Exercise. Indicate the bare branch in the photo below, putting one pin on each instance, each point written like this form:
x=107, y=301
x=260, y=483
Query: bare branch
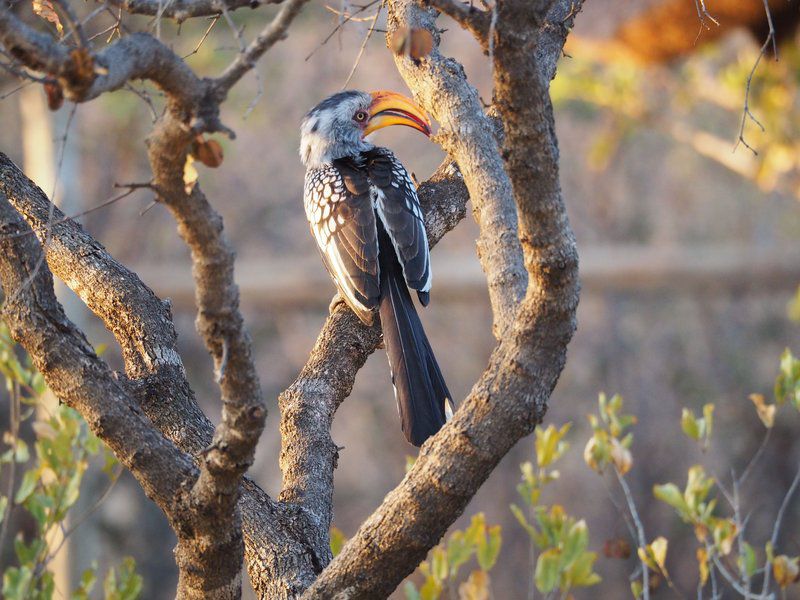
x=344, y=18
x=641, y=540
x=363, y=45
x=221, y=326
x=269, y=36
x=476, y=21
x=180, y=10
x=202, y=39
x=776, y=530
x=468, y=136
x=84, y=77
x=143, y=326
x=746, y=112
x=70, y=366
x=75, y=26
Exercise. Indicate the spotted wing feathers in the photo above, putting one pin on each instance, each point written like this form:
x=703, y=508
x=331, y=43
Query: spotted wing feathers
x=339, y=209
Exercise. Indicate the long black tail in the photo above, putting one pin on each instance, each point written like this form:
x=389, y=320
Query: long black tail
x=419, y=387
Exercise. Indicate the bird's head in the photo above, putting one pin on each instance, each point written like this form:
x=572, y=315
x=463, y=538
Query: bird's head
x=337, y=126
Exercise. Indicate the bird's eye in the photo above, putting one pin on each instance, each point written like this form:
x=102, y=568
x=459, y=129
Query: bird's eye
x=361, y=116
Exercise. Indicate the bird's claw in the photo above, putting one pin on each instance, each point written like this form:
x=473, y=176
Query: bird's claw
x=337, y=300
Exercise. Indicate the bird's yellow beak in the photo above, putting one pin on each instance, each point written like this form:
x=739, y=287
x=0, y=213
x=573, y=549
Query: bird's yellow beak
x=390, y=108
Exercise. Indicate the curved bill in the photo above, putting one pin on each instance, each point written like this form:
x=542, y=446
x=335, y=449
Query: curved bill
x=390, y=108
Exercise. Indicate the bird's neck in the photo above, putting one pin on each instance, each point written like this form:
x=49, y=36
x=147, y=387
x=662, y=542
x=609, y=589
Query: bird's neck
x=316, y=151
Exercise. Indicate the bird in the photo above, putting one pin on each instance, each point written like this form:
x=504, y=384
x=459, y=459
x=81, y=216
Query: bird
x=365, y=216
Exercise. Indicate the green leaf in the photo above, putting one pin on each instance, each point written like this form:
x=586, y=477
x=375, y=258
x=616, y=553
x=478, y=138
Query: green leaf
x=787, y=384
x=476, y=587
x=338, y=540
x=581, y=573
x=458, y=552
x=669, y=493
x=690, y=425
x=708, y=416
x=489, y=548
x=28, y=485
x=439, y=568
x=27, y=553
x=16, y=581
x=547, y=571
x=125, y=586
x=476, y=530
x=747, y=560
x=72, y=490
x=522, y=520
x=430, y=590
x=577, y=539
x=88, y=579
x=549, y=444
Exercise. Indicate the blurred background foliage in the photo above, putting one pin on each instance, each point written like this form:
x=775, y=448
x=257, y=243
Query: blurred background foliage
x=690, y=264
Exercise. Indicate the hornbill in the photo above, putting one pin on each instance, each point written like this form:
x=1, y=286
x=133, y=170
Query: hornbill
x=365, y=215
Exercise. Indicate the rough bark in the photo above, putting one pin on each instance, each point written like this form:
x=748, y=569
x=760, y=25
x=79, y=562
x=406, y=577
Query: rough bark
x=467, y=134
x=180, y=10
x=72, y=369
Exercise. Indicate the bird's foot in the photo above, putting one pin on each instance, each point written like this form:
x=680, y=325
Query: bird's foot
x=337, y=300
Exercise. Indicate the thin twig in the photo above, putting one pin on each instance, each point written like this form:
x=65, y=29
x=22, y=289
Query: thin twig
x=364, y=45
x=749, y=468
x=777, y=528
x=736, y=585
x=203, y=39
x=145, y=98
x=639, y=531
x=620, y=510
x=269, y=36
x=132, y=187
x=89, y=512
x=703, y=14
x=75, y=25
x=15, y=90
x=344, y=20
x=347, y=15
x=51, y=209
x=746, y=112
x=740, y=541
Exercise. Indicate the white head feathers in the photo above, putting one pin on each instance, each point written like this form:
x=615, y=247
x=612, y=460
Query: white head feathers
x=329, y=131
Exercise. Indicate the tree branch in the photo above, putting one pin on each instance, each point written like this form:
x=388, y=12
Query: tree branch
x=474, y=20
x=221, y=326
x=181, y=10
x=85, y=76
x=468, y=136
x=72, y=369
x=276, y=547
x=274, y=32
x=142, y=324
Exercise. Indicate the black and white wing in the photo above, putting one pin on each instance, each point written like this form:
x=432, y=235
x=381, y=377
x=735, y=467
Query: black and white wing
x=339, y=209
x=397, y=205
